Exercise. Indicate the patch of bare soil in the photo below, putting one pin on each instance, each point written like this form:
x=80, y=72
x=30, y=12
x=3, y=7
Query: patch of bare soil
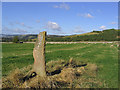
x=60, y=74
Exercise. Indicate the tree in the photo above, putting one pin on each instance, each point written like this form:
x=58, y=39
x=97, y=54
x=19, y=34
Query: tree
x=15, y=39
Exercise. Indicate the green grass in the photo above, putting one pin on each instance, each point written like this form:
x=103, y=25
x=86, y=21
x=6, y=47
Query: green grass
x=103, y=55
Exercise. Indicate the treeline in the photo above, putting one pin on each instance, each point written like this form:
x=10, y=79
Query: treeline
x=105, y=35
x=4, y=39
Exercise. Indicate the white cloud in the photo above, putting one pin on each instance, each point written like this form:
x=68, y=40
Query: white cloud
x=99, y=11
x=63, y=5
x=23, y=24
x=86, y=15
x=113, y=22
x=52, y=26
x=14, y=30
x=102, y=27
x=18, y=30
x=37, y=21
x=78, y=30
x=79, y=14
x=11, y=23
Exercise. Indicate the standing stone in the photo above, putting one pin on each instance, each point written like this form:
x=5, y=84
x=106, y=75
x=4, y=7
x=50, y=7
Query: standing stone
x=39, y=55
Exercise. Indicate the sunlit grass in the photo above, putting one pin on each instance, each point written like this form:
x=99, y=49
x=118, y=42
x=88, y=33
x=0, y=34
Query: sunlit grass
x=103, y=55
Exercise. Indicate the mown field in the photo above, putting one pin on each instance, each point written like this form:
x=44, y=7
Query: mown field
x=105, y=56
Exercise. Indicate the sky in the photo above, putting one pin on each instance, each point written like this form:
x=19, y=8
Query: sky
x=58, y=18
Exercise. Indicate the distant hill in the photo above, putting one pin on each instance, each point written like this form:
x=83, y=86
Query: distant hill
x=105, y=35
x=90, y=33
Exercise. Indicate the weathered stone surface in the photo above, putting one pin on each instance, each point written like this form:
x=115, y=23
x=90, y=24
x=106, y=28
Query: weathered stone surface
x=39, y=55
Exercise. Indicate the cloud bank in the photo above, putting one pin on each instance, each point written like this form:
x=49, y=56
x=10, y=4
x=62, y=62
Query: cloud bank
x=86, y=15
x=52, y=26
x=13, y=31
x=102, y=27
x=113, y=22
x=78, y=29
x=63, y=5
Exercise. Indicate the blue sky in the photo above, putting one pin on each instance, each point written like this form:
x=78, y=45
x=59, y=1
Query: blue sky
x=57, y=17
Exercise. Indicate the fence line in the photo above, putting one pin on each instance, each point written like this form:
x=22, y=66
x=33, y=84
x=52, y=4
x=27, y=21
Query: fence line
x=71, y=42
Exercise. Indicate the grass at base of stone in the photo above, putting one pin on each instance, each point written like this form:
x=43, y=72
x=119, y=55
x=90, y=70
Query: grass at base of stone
x=104, y=56
x=73, y=74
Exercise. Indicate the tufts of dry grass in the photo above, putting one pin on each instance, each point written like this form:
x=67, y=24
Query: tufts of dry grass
x=60, y=74
x=13, y=80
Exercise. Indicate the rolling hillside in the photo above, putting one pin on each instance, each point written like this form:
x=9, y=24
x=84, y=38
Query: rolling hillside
x=105, y=35
x=90, y=33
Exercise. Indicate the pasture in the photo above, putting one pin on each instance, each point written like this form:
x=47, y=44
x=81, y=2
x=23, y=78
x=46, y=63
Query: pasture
x=105, y=56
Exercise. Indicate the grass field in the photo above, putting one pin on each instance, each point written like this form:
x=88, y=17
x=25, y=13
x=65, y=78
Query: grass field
x=105, y=56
